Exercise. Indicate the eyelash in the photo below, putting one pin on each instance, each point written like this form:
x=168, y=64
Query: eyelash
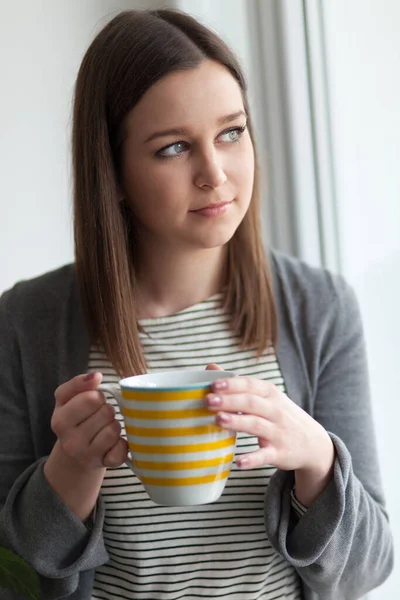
x=240, y=131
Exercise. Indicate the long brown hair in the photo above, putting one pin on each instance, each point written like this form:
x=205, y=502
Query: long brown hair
x=133, y=51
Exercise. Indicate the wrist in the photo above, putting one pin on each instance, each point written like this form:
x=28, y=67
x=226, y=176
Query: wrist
x=77, y=486
x=310, y=481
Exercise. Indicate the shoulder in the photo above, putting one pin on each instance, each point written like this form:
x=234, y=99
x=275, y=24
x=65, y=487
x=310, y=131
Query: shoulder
x=319, y=324
x=296, y=279
x=313, y=300
x=35, y=297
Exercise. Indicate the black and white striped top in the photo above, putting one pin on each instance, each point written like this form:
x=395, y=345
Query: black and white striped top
x=218, y=550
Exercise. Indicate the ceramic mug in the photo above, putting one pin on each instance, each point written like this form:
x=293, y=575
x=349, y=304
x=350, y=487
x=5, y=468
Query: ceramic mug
x=178, y=452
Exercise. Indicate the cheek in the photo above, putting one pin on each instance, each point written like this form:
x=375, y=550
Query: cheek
x=242, y=172
x=151, y=186
x=249, y=169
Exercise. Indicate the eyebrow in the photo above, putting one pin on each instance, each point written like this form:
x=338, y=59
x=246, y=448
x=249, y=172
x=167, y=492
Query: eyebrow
x=180, y=131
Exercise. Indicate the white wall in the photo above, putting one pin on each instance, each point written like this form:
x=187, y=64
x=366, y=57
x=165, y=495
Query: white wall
x=363, y=45
x=228, y=17
x=41, y=45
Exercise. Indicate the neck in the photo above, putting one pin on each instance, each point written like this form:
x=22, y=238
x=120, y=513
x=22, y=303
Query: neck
x=169, y=281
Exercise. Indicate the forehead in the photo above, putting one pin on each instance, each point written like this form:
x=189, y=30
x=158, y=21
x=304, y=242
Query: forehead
x=187, y=98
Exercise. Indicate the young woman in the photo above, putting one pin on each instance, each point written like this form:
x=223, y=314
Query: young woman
x=170, y=272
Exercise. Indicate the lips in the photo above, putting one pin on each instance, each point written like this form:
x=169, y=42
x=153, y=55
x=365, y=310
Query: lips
x=212, y=205
x=212, y=210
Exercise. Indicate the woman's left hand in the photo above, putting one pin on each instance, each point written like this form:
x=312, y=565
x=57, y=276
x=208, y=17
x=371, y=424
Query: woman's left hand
x=288, y=437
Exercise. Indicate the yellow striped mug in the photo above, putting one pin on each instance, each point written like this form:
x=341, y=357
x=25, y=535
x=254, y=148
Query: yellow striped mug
x=178, y=452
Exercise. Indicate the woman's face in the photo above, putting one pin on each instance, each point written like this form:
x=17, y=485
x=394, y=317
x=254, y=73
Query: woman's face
x=187, y=165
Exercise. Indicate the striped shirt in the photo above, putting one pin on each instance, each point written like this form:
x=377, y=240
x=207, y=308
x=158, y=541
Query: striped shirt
x=217, y=550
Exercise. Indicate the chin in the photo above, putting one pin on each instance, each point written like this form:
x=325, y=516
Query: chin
x=216, y=233
x=213, y=240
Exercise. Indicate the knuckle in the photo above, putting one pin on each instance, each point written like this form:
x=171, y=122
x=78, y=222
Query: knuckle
x=273, y=455
x=93, y=401
x=278, y=413
x=111, y=433
x=116, y=455
x=120, y=447
x=57, y=423
x=57, y=392
x=117, y=427
x=261, y=458
x=247, y=381
x=271, y=388
x=250, y=403
x=108, y=410
x=72, y=446
x=264, y=388
x=106, y=415
x=258, y=428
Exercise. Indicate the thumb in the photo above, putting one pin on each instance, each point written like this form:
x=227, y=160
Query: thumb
x=73, y=387
x=213, y=367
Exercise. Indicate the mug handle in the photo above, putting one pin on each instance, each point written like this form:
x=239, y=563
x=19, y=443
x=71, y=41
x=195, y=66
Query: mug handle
x=115, y=391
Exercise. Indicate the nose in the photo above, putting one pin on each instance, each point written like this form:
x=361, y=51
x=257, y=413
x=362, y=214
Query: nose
x=209, y=171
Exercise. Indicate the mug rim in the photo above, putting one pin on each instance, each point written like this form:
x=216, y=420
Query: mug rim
x=126, y=382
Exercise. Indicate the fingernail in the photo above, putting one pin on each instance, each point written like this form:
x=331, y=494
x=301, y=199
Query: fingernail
x=89, y=376
x=220, y=385
x=214, y=400
x=242, y=462
x=223, y=418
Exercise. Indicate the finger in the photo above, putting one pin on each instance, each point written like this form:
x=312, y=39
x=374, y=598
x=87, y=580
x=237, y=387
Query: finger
x=213, y=367
x=105, y=440
x=92, y=426
x=260, y=458
x=117, y=455
x=77, y=385
x=77, y=441
x=242, y=403
x=253, y=425
x=250, y=385
x=77, y=410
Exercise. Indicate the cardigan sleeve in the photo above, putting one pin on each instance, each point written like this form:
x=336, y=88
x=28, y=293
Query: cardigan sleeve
x=342, y=546
x=34, y=522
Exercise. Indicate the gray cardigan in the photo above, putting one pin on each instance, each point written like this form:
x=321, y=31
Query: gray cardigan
x=342, y=546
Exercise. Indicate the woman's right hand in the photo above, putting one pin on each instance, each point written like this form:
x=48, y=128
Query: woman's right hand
x=85, y=424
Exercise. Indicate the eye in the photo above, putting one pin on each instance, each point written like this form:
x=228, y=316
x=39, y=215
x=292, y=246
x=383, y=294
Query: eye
x=232, y=135
x=175, y=149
